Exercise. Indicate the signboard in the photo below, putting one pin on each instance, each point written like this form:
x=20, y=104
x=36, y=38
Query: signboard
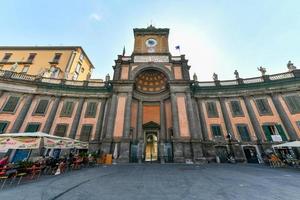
x=151, y=59
x=276, y=138
x=19, y=143
x=58, y=143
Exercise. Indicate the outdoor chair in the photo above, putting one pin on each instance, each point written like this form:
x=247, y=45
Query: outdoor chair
x=3, y=180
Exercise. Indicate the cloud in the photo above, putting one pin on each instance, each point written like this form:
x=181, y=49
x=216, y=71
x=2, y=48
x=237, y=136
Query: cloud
x=96, y=17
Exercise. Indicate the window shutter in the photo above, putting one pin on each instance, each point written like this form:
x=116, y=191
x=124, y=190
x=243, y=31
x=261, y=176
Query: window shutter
x=11, y=104
x=267, y=133
x=3, y=126
x=42, y=106
x=244, y=133
x=32, y=128
x=281, y=132
x=85, y=132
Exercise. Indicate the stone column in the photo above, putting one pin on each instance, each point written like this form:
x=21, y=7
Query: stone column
x=194, y=129
x=140, y=132
x=176, y=133
x=51, y=115
x=111, y=117
x=161, y=147
x=140, y=121
x=20, y=118
x=127, y=118
x=105, y=143
x=76, y=119
x=202, y=120
x=125, y=143
x=1, y=92
x=100, y=120
x=197, y=119
x=162, y=121
x=226, y=118
x=105, y=118
x=253, y=119
x=284, y=118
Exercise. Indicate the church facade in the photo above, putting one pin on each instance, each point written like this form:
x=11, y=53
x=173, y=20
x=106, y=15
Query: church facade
x=152, y=110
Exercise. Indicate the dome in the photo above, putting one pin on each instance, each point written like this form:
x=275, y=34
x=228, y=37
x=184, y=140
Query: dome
x=152, y=81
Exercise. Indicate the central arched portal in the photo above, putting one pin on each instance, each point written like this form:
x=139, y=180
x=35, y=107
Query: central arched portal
x=151, y=115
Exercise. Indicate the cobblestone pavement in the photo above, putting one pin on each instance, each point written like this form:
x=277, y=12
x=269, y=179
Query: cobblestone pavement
x=169, y=181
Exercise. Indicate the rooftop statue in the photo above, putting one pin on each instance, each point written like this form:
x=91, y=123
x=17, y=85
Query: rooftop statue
x=237, y=75
x=215, y=77
x=262, y=70
x=291, y=66
x=195, y=77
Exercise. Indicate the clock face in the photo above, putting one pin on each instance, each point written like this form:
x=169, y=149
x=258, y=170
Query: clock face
x=151, y=42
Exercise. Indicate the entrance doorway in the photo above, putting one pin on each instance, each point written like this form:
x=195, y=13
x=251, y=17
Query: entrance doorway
x=222, y=153
x=251, y=154
x=151, y=150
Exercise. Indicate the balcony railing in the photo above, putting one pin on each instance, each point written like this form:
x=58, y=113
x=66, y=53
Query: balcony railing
x=99, y=83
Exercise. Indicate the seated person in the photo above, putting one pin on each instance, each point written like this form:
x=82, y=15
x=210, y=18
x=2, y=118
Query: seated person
x=4, y=161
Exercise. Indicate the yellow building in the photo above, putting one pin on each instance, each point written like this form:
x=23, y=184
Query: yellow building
x=61, y=62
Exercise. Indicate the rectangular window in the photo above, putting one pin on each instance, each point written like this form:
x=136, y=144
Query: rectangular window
x=236, y=109
x=54, y=72
x=244, y=133
x=263, y=107
x=56, y=57
x=86, y=132
x=81, y=57
x=41, y=107
x=293, y=103
x=91, y=109
x=61, y=130
x=216, y=130
x=3, y=126
x=212, y=109
x=32, y=127
x=6, y=57
x=25, y=69
x=273, y=130
x=31, y=57
x=75, y=76
x=78, y=67
x=67, y=109
x=11, y=104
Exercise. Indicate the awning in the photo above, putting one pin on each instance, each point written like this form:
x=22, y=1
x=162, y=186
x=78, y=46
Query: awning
x=35, y=140
x=288, y=144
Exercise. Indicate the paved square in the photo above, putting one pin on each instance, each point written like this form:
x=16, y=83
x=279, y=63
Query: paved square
x=170, y=181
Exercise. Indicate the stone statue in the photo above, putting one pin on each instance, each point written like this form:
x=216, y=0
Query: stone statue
x=195, y=77
x=107, y=78
x=262, y=70
x=291, y=66
x=237, y=75
x=215, y=77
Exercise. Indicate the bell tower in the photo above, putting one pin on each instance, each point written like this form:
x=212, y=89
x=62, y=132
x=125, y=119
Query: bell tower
x=151, y=40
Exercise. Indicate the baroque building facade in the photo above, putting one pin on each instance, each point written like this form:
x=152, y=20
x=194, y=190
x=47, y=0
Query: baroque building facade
x=67, y=62
x=151, y=110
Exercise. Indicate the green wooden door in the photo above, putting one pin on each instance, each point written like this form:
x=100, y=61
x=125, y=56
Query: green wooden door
x=267, y=132
x=281, y=132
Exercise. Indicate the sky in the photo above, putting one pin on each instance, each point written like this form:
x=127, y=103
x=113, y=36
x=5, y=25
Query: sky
x=215, y=35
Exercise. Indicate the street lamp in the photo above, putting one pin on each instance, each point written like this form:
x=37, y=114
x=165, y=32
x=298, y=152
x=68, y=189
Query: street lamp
x=231, y=152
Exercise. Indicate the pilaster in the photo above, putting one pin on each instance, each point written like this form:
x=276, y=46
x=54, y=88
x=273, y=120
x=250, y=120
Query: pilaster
x=51, y=116
x=76, y=119
x=284, y=117
x=20, y=118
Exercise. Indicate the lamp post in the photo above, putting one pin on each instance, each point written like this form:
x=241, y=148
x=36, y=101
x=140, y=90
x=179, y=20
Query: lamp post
x=231, y=152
